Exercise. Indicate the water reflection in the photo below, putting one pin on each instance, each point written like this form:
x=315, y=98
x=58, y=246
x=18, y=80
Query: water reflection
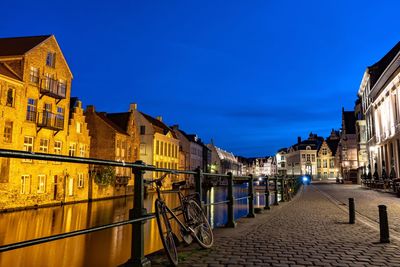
x=104, y=248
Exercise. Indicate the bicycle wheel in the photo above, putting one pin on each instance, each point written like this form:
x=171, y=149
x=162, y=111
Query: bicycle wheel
x=202, y=231
x=165, y=230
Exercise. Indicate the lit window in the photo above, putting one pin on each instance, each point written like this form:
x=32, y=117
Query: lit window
x=313, y=158
x=80, y=180
x=79, y=127
x=25, y=184
x=44, y=145
x=57, y=147
x=34, y=75
x=8, y=127
x=332, y=163
x=123, y=146
x=60, y=118
x=72, y=149
x=325, y=163
x=117, y=150
x=28, y=146
x=31, y=110
x=162, y=148
x=51, y=59
x=169, y=150
x=41, y=183
x=62, y=88
x=142, y=149
x=157, y=147
x=82, y=151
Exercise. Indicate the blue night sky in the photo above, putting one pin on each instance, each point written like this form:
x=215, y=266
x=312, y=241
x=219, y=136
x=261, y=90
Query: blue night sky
x=252, y=75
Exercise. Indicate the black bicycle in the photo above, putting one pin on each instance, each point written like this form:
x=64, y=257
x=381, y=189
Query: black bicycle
x=193, y=226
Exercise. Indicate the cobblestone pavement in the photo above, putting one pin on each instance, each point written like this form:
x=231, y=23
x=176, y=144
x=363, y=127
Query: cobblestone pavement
x=366, y=201
x=310, y=230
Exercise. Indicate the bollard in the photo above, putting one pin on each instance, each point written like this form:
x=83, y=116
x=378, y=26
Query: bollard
x=251, y=198
x=276, y=191
x=267, y=207
x=231, y=218
x=198, y=177
x=138, y=211
x=352, y=212
x=383, y=224
x=282, y=190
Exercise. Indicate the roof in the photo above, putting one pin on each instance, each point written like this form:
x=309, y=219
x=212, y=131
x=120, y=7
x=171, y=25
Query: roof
x=120, y=119
x=17, y=46
x=375, y=71
x=332, y=144
x=160, y=127
x=4, y=70
x=105, y=118
x=349, y=122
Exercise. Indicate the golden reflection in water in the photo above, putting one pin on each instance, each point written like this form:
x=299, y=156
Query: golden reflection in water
x=212, y=207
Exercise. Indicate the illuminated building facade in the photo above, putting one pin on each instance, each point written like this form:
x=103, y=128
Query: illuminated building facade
x=361, y=134
x=327, y=165
x=38, y=116
x=159, y=145
x=379, y=92
x=281, y=161
x=223, y=161
x=114, y=137
x=301, y=158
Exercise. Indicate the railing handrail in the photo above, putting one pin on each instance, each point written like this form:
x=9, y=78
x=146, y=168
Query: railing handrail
x=139, y=214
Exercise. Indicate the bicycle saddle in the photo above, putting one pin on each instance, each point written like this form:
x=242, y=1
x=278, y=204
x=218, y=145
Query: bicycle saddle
x=178, y=184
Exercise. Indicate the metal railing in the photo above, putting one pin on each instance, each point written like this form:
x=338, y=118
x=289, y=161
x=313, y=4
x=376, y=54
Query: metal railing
x=138, y=214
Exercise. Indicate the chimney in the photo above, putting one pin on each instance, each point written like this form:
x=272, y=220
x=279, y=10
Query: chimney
x=175, y=127
x=159, y=118
x=90, y=109
x=132, y=107
x=299, y=139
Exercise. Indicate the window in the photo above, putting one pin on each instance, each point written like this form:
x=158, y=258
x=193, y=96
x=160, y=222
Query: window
x=10, y=97
x=157, y=147
x=34, y=75
x=51, y=59
x=41, y=183
x=72, y=149
x=129, y=152
x=142, y=149
x=303, y=156
x=162, y=148
x=308, y=157
x=332, y=163
x=283, y=164
x=325, y=175
x=331, y=174
x=82, y=151
x=31, y=110
x=57, y=147
x=79, y=127
x=62, y=88
x=324, y=151
x=44, y=146
x=282, y=158
x=60, y=118
x=28, y=146
x=80, y=180
x=325, y=163
x=123, y=146
x=169, y=150
x=142, y=129
x=318, y=163
x=117, y=149
x=25, y=184
x=165, y=149
x=8, y=127
x=313, y=158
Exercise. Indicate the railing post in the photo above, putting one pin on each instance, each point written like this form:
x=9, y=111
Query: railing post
x=231, y=217
x=267, y=207
x=198, y=180
x=282, y=190
x=138, y=211
x=251, y=198
x=276, y=191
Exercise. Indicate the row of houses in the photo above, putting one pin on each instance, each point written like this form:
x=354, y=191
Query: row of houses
x=38, y=114
x=368, y=144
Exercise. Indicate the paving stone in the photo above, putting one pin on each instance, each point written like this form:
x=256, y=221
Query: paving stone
x=310, y=230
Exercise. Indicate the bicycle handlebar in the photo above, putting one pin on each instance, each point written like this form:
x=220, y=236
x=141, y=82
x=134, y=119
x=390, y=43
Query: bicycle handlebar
x=159, y=179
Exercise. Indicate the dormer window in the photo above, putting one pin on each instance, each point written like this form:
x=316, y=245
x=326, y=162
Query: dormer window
x=51, y=59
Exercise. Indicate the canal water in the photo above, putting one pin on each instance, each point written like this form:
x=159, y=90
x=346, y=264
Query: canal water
x=109, y=247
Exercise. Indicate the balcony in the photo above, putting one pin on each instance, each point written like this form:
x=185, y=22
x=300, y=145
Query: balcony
x=50, y=121
x=53, y=88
